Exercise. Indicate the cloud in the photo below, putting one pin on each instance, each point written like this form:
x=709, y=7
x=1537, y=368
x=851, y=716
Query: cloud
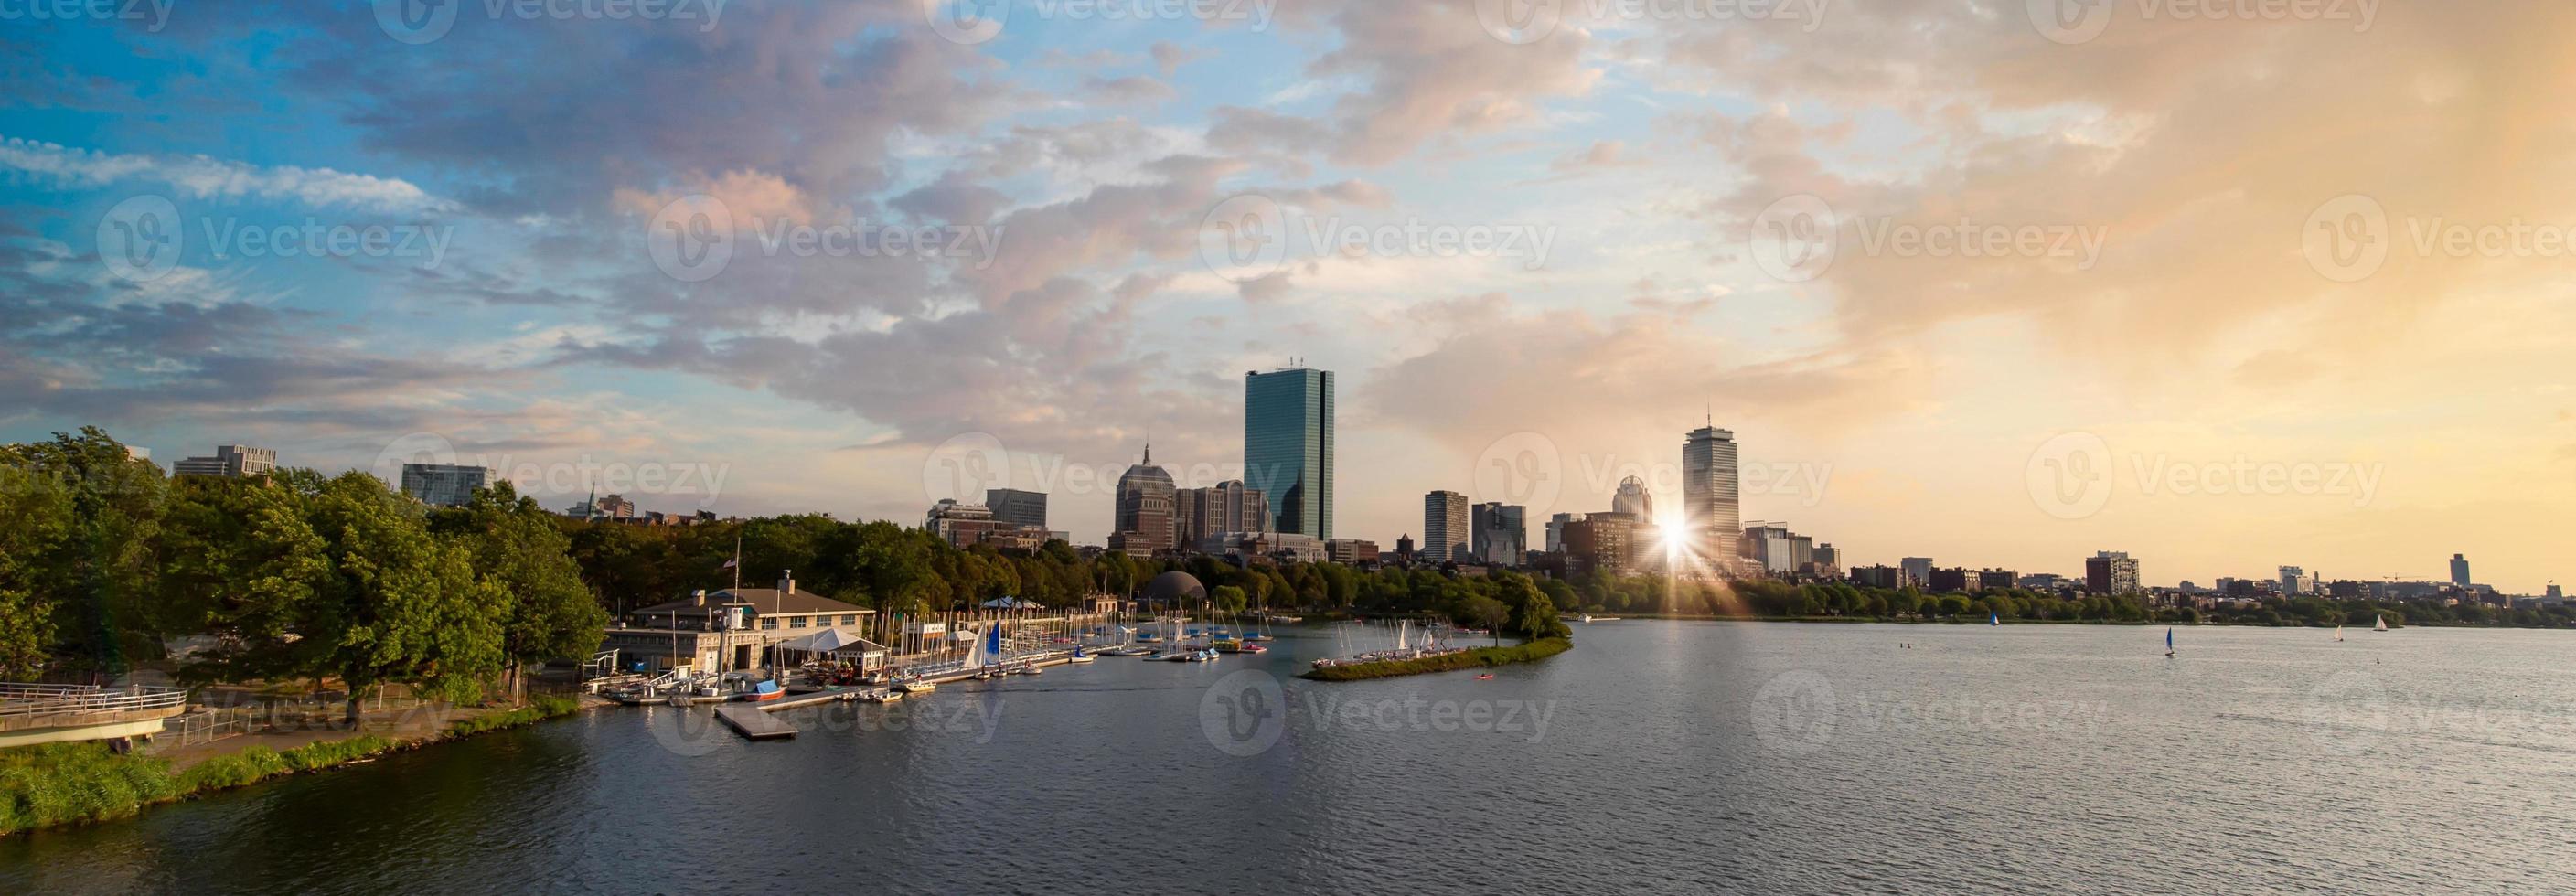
x=200, y=177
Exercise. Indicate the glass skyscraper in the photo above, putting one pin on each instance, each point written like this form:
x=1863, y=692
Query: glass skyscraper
x=1288, y=447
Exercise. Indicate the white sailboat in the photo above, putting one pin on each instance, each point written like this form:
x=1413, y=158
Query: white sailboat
x=2338, y=631
x=2381, y=625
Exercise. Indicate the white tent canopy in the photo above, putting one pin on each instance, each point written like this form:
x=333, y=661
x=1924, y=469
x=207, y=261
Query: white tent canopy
x=824, y=641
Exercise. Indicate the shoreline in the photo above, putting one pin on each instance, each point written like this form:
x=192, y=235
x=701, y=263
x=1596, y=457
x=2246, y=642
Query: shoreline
x=48, y=786
x=1473, y=658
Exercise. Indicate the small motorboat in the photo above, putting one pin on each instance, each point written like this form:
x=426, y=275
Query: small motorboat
x=1485, y=677
x=764, y=692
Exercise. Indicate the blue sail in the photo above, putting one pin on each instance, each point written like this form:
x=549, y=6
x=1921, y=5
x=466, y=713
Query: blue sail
x=1993, y=619
x=2168, y=639
x=993, y=644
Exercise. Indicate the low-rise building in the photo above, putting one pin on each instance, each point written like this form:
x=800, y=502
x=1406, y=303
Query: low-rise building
x=729, y=629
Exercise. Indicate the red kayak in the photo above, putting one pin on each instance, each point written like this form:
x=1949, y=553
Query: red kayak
x=1485, y=676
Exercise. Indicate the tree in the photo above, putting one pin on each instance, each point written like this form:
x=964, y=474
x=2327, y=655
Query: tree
x=1229, y=599
x=35, y=522
x=1487, y=612
x=100, y=577
x=401, y=606
x=546, y=611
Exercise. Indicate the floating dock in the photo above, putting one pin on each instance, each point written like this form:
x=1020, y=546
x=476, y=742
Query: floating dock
x=753, y=723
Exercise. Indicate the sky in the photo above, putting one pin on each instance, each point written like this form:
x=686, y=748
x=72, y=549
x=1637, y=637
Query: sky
x=2226, y=285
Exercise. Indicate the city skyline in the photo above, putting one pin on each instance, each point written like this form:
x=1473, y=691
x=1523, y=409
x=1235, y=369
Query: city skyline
x=525, y=303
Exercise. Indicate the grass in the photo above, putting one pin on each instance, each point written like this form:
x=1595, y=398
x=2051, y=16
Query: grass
x=1451, y=662
x=58, y=784
x=537, y=710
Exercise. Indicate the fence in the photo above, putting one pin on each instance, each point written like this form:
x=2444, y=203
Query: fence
x=51, y=699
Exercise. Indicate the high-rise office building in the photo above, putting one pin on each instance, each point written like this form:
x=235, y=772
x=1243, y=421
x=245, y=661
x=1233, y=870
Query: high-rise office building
x=1444, y=528
x=1502, y=533
x=1288, y=447
x=1829, y=560
x=1017, y=507
x=1228, y=506
x=1556, y=531
x=1713, y=516
x=2111, y=572
x=1144, y=523
x=2460, y=570
x=444, y=485
x=1601, y=541
x=2295, y=581
x=234, y=461
x=1917, y=570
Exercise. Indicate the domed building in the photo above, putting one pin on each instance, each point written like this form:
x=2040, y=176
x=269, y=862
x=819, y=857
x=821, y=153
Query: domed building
x=1144, y=523
x=1173, y=589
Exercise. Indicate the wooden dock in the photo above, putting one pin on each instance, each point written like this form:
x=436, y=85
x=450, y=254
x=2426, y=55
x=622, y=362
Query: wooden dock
x=752, y=722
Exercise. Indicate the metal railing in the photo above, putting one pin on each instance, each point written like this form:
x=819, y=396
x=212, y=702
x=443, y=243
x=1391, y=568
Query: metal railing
x=51, y=699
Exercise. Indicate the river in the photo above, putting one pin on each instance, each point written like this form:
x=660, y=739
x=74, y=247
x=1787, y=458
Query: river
x=1656, y=756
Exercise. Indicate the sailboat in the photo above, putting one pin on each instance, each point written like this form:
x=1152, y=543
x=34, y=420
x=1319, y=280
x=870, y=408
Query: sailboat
x=2338, y=631
x=1992, y=618
x=2168, y=642
x=2381, y=625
